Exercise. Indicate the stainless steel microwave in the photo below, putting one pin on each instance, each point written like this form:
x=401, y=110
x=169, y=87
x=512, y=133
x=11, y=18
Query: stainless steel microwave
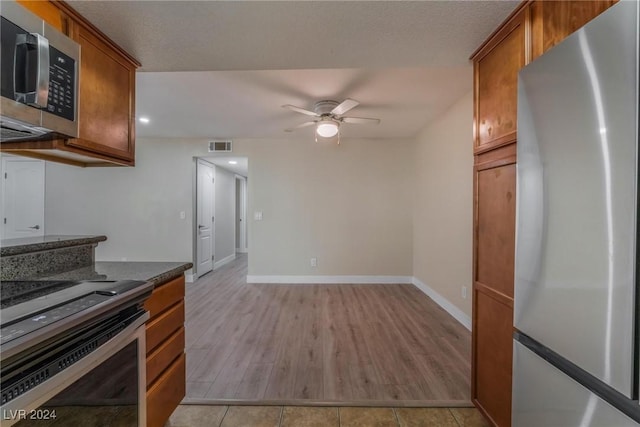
x=39, y=73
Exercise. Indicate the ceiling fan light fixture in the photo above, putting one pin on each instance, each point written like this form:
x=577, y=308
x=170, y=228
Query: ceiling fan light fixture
x=327, y=128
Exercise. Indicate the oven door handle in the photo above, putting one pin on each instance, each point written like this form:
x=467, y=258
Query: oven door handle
x=31, y=88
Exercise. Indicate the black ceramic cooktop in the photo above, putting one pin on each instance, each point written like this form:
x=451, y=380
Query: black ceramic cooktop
x=19, y=291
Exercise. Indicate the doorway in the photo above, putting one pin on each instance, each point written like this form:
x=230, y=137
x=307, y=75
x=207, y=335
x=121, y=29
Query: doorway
x=220, y=199
x=22, y=197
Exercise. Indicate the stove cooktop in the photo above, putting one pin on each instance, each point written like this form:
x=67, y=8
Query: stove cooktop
x=16, y=292
x=43, y=307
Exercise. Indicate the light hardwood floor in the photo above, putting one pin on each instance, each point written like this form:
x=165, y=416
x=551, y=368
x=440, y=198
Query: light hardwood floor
x=323, y=343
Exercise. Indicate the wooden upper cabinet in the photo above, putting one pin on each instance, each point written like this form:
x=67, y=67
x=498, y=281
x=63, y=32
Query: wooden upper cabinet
x=553, y=21
x=106, y=102
x=496, y=67
x=48, y=11
x=106, y=96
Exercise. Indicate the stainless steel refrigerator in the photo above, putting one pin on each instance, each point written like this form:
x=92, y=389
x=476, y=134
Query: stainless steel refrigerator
x=576, y=281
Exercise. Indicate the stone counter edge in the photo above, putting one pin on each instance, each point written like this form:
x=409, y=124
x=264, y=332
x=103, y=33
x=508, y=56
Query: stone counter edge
x=45, y=246
x=170, y=274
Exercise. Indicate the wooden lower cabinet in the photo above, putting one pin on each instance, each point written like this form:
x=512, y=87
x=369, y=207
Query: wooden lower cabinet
x=492, y=355
x=165, y=340
x=166, y=393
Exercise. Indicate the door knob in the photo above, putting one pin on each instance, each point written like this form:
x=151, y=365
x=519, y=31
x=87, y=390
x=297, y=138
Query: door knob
x=200, y=227
x=35, y=227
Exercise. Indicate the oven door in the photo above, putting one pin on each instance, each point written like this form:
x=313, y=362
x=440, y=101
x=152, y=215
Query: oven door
x=104, y=387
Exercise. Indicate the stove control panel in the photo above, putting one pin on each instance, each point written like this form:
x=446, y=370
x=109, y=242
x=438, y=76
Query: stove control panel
x=40, y=320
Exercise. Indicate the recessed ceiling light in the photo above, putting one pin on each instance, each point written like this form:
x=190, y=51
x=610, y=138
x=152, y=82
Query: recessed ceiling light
x=233, y=162
x=144, y=120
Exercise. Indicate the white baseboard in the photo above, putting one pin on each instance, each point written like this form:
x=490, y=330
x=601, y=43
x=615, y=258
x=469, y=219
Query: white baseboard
x=454, y=311
x=189, y=278
x=223, y=261
x=350, y=280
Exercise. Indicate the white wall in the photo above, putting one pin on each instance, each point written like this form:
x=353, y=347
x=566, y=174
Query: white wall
x=443, y=204
x=138, y=209
x=350, y=206
x=225, y=214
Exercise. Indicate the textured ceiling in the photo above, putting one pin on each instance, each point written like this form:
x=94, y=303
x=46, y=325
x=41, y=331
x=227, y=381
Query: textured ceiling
x=247, y=104
x=405, y=61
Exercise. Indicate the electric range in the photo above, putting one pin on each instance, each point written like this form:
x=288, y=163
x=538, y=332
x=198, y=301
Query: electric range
x=36, y=310
x=62, y=341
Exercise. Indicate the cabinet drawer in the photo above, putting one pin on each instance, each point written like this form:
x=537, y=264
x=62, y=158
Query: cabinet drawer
x=166, y=394
x=164, y=296
x=166, y=353
x=164, y=325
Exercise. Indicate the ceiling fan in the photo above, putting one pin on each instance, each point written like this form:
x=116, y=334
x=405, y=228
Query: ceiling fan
x=329, y=116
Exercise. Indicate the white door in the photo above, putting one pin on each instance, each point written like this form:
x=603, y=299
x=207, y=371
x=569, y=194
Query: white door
x=22, y=197
x=204, y=217
x=241, y=211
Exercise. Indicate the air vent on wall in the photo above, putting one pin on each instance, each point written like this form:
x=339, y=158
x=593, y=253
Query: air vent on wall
x=219, y=146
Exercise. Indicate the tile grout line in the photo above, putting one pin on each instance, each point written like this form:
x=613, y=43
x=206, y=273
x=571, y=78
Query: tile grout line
x=455, y=418
x=223, y=417
x=281, y=414
x=396, y=415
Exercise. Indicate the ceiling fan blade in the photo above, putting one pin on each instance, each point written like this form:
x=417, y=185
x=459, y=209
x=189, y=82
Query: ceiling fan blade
x=360, y=120
x=303, y=125
x=344, y=106
x=300, y=110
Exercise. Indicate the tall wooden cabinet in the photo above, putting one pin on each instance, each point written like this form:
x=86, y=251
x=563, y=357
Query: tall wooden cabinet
x=533, y=28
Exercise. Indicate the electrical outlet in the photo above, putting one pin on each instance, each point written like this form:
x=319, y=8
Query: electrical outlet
x=183, y=215
x=257, y=216
x=314, y=262
x=464, y=292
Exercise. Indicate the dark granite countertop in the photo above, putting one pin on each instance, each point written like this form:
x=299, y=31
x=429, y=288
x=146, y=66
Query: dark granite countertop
x=155, y=272
x=25, y=245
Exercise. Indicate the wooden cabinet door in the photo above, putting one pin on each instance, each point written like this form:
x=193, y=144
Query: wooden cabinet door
x=106, y=101
x=553, y=21
x=492, y=356
x=496, y=68
x=494, y=256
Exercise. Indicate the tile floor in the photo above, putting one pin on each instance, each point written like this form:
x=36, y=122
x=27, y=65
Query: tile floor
x=307, y=416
